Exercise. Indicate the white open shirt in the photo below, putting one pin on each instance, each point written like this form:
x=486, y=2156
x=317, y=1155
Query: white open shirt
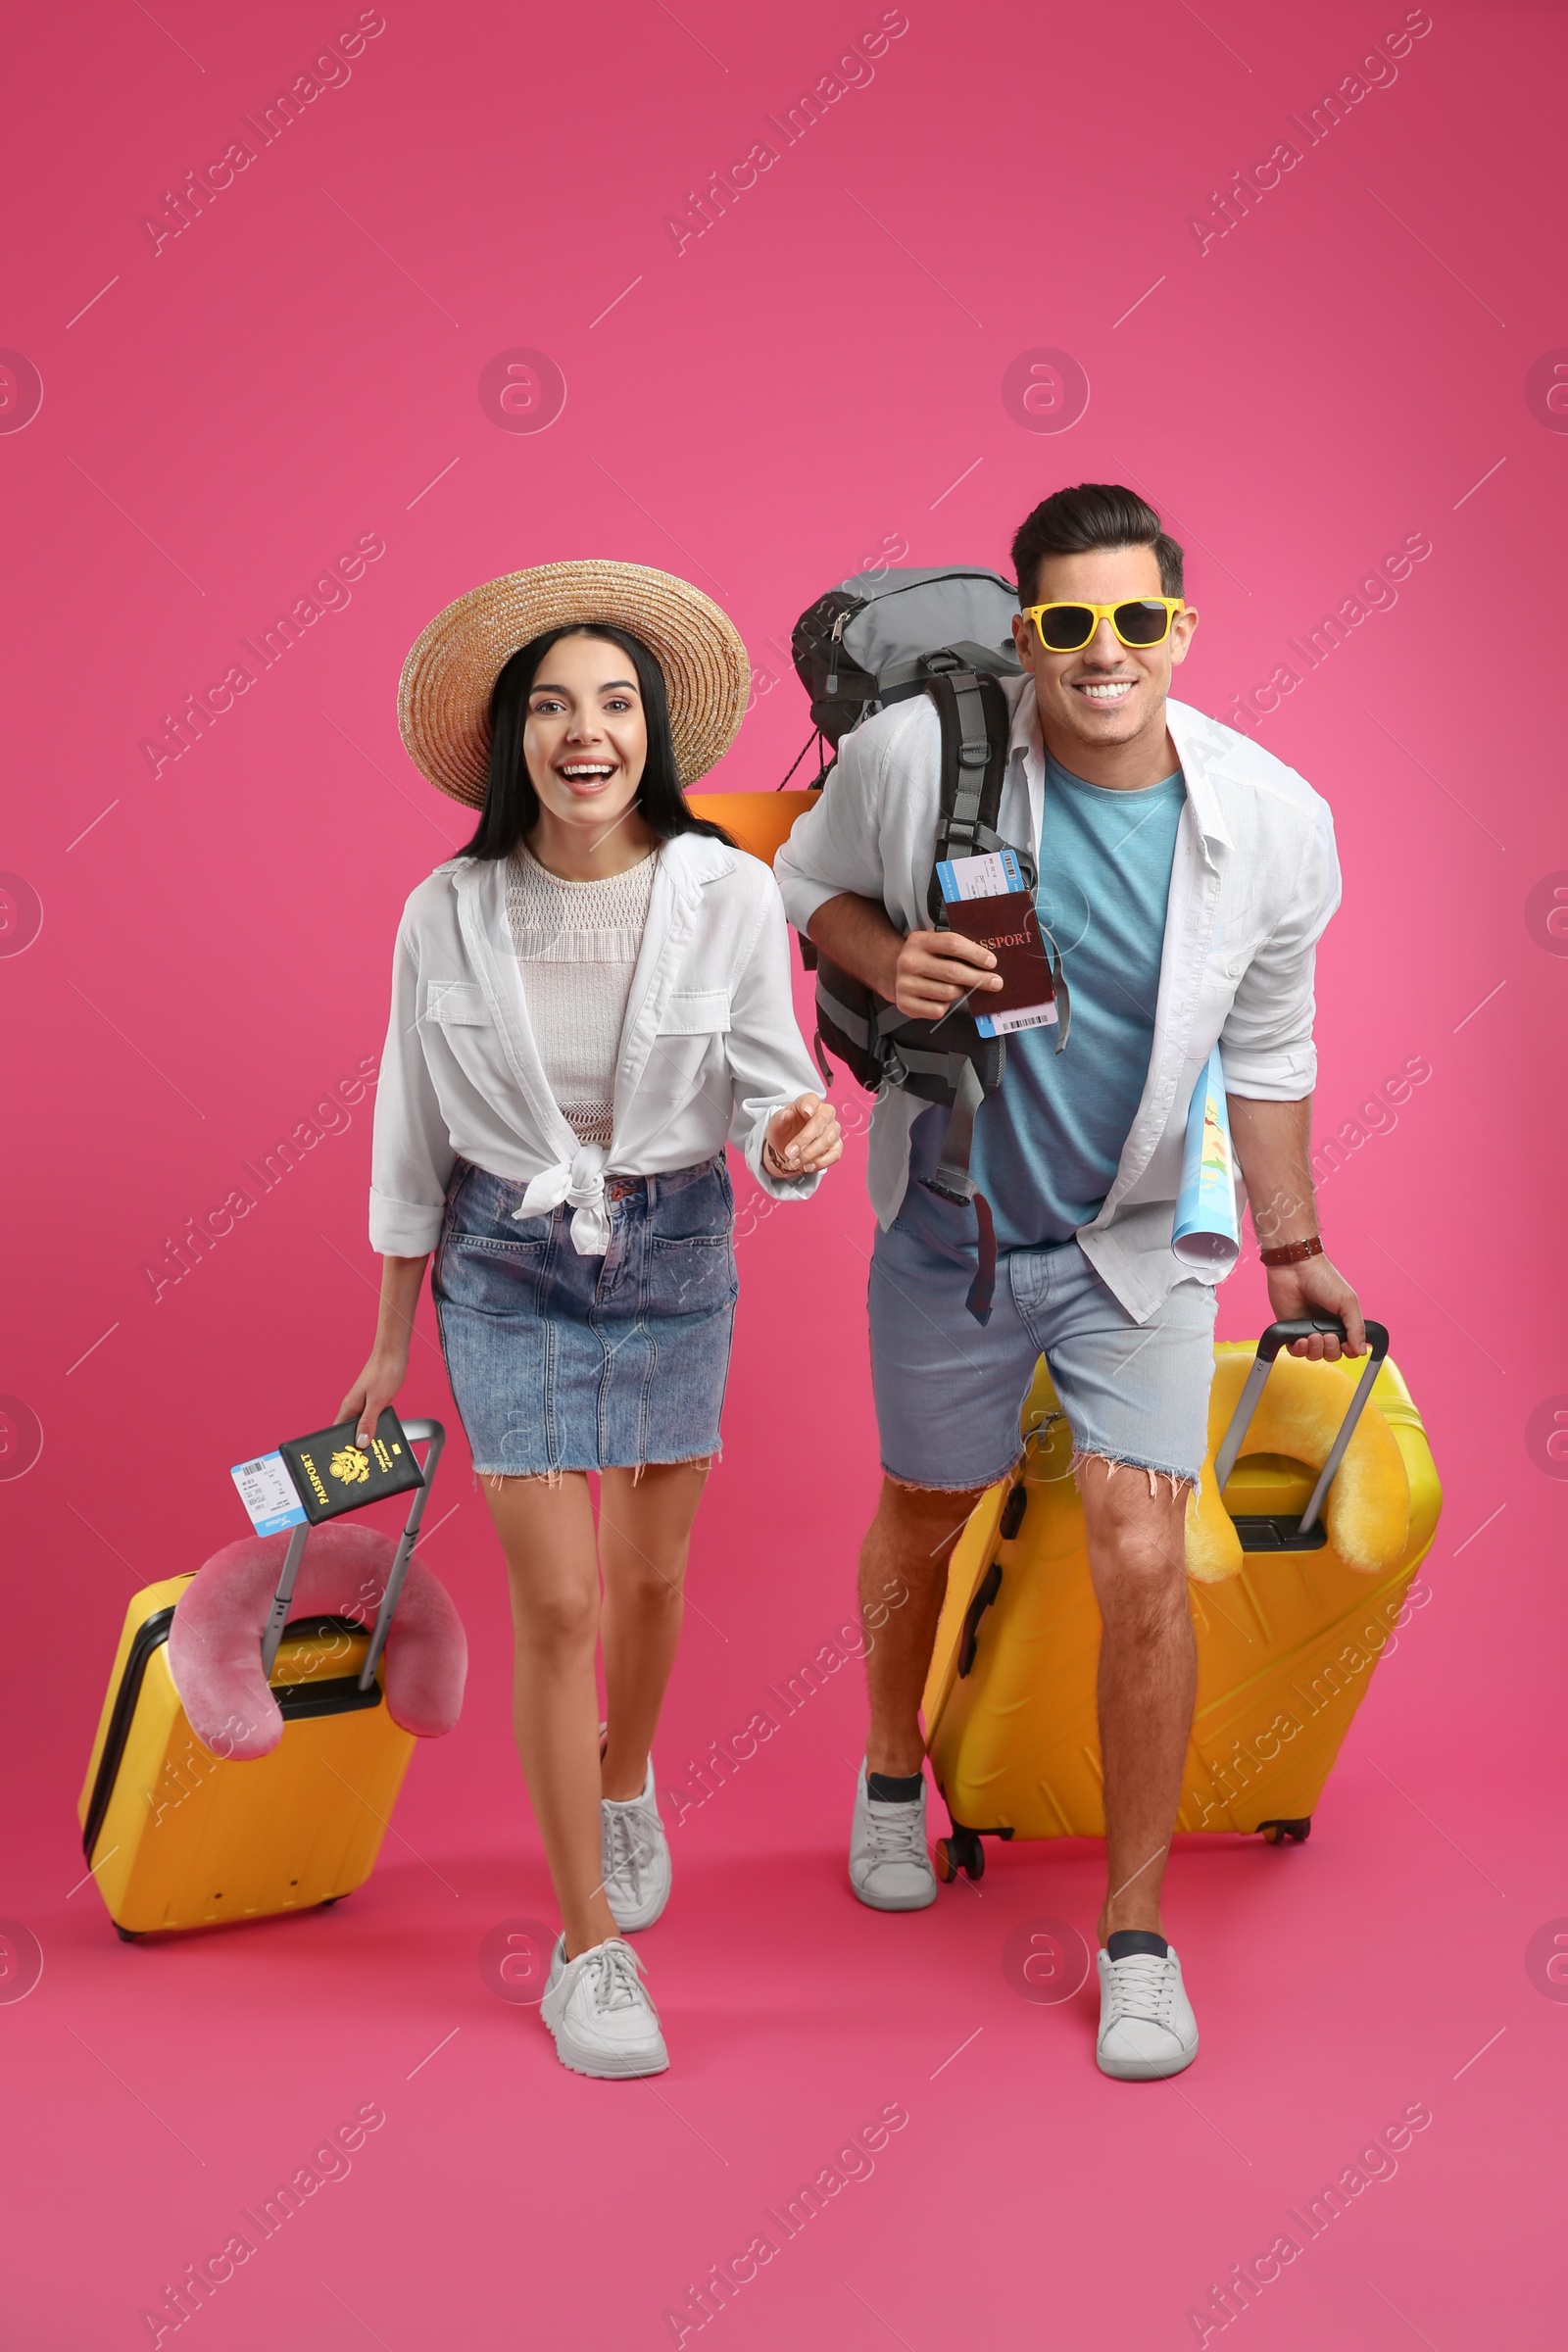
x=710, y=1048
x=1254, y=883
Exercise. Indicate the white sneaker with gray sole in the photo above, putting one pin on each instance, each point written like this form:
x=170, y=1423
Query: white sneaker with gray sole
x=1146, y=2026
x=600, y=2014
x=889, y=1865
x=634, y=1856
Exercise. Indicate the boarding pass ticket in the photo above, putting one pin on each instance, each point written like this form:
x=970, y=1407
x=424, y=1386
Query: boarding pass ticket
x=266, y=1490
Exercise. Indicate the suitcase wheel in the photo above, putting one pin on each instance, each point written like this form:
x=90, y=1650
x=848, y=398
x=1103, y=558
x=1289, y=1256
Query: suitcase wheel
x=127, y=1934
x=962, y=1851
x=1276, y=1832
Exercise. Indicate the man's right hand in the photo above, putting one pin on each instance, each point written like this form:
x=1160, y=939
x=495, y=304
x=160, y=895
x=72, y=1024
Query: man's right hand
x=933, y=970
x=923, y=973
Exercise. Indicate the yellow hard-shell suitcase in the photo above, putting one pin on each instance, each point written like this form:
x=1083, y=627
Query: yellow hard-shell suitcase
x=177, y=1837
x=1287, y=1639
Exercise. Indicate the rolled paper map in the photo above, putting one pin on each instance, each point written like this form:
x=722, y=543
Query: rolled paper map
x=1206, y=1232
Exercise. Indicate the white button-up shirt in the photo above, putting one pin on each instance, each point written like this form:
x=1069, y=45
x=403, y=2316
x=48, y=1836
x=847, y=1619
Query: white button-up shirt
x=709, y=1052
x=1254, y=883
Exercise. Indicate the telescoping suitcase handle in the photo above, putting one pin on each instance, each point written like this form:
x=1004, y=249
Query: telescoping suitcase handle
x=419, y=1432
x=1278, y=1336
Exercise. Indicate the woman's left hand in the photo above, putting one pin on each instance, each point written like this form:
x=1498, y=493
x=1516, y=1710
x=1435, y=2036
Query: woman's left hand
x=803, y=1138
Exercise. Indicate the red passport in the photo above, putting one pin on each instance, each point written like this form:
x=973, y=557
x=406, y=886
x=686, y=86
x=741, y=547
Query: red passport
x=1009, y=927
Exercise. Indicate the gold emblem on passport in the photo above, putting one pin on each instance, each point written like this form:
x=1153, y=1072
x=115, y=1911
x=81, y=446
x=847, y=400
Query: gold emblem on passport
x=331, y=1472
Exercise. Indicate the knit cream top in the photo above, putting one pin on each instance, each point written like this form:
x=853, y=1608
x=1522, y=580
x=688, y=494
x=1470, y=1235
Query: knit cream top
x=577, y=945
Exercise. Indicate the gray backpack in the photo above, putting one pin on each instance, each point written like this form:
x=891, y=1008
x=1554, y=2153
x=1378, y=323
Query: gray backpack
x=879, y=637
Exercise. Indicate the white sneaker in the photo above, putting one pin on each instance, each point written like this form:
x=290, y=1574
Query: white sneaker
x=889, y=1865
x=602, y=2019
x=634, y=1857
x=1146, y=2026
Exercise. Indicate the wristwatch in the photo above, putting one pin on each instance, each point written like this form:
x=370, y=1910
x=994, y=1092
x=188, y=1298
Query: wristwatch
x=1290, y=1253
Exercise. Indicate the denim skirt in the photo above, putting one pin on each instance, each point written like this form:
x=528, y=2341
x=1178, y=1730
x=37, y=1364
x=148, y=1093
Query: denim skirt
x=560, y=1362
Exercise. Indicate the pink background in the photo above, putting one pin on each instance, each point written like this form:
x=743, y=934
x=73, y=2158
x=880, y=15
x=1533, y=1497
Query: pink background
x=812, y=384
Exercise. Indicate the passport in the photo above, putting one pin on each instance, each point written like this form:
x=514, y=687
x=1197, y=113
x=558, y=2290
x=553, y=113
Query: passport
x=987, y=901
x=332, y=1473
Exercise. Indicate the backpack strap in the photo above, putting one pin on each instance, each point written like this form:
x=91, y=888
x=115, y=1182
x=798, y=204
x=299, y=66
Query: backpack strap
x=955, y=1182
x=976, y=725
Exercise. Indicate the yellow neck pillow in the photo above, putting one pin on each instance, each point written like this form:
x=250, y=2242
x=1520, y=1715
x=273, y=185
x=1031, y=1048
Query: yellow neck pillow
x=1367, y=1509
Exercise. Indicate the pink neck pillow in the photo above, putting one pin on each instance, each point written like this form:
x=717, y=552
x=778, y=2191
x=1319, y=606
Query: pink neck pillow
x=215, y=1643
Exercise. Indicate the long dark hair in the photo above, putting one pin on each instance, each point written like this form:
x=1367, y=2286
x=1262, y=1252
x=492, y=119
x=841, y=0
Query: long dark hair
x=511, y=804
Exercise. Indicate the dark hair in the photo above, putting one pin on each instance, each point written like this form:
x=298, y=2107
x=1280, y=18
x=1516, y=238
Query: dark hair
x=1070, y=522
x=511, y=804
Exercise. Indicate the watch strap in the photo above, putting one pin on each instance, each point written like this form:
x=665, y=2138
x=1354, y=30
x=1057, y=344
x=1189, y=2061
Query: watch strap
x=1290, y=1253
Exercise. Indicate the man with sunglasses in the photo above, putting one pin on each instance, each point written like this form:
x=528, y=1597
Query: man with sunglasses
x=1187, y=876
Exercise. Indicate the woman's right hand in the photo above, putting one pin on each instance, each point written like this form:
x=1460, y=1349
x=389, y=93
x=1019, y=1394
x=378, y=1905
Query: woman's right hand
x=401, y=1281
x=373, y=1391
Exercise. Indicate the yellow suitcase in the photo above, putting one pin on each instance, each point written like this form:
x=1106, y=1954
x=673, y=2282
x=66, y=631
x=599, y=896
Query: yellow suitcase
x=1290, y=1625
x=178, y=1837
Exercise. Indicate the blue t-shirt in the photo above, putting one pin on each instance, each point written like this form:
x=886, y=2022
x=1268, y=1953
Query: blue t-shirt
x=1047, y=1142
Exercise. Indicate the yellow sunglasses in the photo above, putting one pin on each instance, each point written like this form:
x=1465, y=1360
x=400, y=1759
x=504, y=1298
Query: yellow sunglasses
x=1140, y=620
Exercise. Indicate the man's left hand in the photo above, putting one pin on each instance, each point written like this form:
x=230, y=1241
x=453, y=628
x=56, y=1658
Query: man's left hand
x=1316, y=1287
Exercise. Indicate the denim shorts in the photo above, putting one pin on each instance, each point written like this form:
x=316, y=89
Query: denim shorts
x=560, y=1362
x=949, y=1391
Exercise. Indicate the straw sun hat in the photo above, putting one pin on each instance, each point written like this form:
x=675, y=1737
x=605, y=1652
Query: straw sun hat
x=444, y=691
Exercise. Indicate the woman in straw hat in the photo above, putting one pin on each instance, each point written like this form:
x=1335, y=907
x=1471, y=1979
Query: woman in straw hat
x=587, y=1003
